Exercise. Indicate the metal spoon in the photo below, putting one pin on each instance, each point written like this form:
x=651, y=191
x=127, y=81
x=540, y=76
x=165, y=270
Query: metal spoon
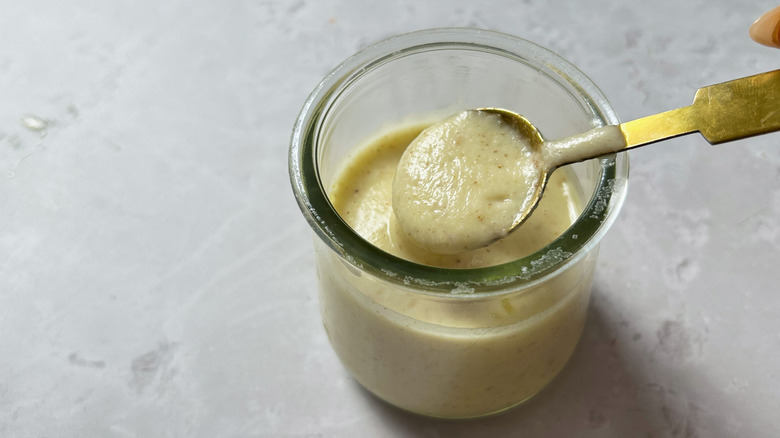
x=724, y=112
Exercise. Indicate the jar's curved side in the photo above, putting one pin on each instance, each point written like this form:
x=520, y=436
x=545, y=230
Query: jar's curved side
x=436, y=369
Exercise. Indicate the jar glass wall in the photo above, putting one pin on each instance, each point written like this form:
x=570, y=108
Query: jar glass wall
x=453, y=343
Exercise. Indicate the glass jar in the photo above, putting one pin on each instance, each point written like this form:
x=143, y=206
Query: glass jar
x=454, y=343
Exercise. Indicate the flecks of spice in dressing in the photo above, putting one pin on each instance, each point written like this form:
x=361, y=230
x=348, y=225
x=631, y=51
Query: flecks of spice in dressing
x=462, y=180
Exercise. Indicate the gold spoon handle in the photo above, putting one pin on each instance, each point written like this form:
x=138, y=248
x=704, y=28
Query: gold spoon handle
x=729, y=111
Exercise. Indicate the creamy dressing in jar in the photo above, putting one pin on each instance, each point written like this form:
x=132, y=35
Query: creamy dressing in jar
x=462, y=360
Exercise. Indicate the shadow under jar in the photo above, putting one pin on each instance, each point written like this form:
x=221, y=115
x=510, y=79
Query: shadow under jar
x=446, y=342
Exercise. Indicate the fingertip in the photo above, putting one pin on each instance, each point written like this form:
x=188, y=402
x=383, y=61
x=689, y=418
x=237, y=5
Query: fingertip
x=766, y=30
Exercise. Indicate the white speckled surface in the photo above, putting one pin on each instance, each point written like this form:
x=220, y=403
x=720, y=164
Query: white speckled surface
x=156, y=276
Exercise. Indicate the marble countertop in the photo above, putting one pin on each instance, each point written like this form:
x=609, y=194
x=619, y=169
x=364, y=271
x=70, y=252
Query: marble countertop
x=157, y=278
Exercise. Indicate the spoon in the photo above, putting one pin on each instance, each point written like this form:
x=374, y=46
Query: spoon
x=724, y=112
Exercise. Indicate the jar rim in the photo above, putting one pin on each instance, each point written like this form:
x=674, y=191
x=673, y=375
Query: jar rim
x=583, y=235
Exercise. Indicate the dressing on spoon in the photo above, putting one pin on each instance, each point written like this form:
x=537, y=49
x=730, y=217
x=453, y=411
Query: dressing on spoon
x=471, y=179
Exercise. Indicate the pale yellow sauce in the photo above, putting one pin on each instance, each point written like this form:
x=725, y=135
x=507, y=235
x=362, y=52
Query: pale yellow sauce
x=442, y=357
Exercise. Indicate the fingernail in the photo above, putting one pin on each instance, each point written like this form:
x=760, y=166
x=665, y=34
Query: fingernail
x=766, y=30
